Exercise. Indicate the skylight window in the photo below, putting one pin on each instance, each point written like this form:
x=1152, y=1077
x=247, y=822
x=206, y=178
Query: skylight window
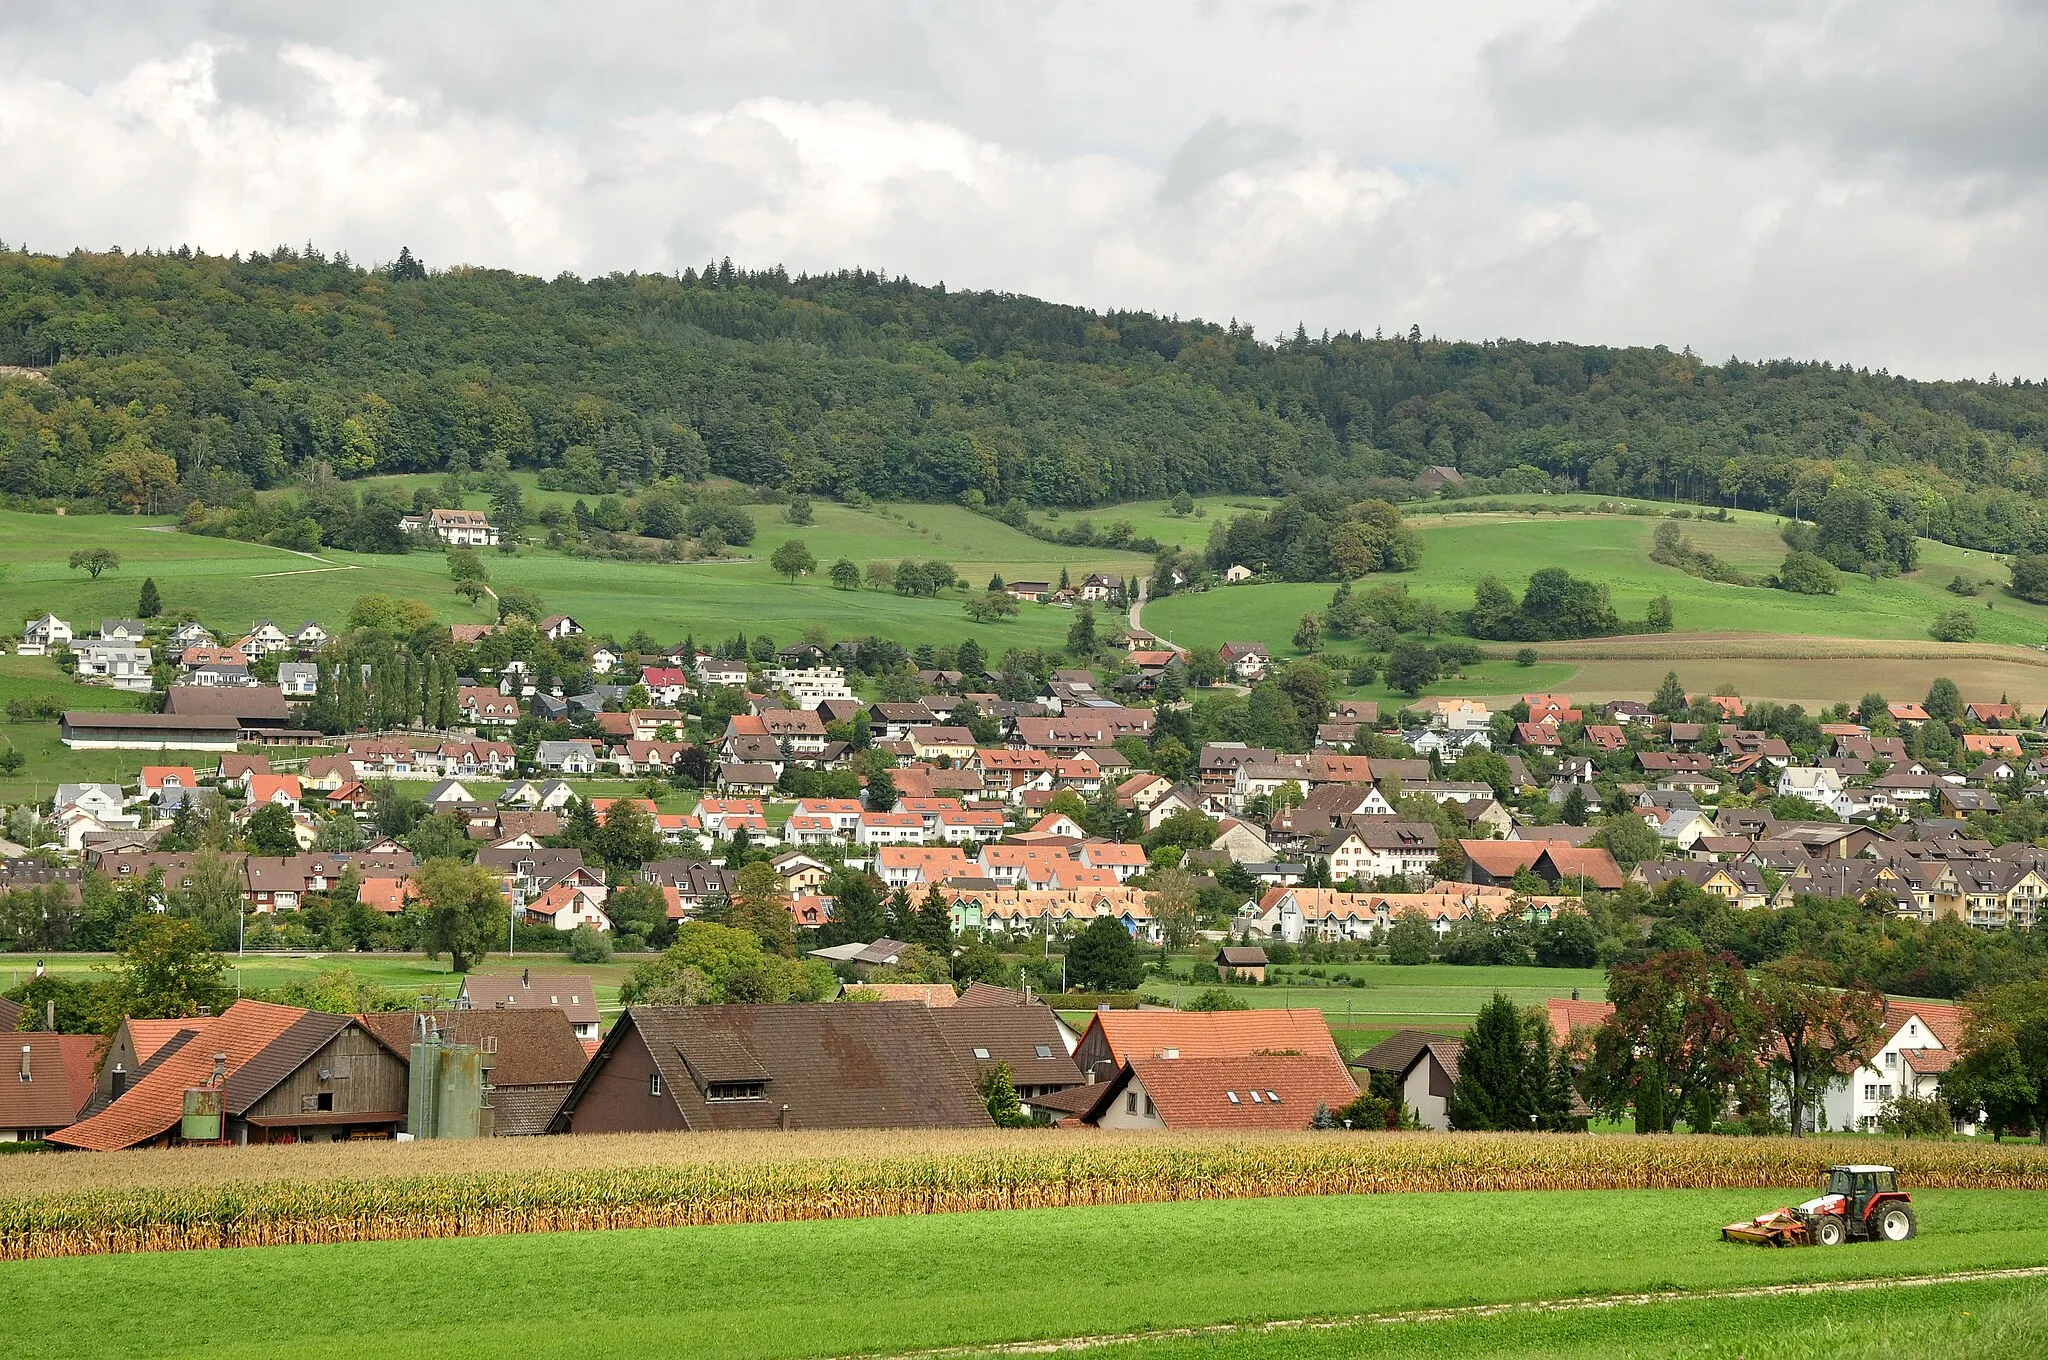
x=1045, y=1050
x=1233, y=1097
x=1255, y=1098
x=981, y=1053
x=1274, y=1098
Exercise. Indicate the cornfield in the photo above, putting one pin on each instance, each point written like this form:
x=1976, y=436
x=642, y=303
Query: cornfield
x=672, y=1181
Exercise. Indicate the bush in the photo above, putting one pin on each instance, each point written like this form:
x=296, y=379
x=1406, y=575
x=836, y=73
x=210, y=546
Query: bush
x=1204, y=971
x=1216, y=999
x=589, y=945
x=1525, y=656
x=1953, y=625
x=1802, y=573
x=2030, y=577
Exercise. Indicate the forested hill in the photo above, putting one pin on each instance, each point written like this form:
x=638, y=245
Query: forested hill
x=243, y=370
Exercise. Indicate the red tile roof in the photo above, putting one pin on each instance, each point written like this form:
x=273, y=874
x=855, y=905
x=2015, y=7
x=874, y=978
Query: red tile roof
x=1217, y=1034
x=154, y=1105
x=1266, y=1092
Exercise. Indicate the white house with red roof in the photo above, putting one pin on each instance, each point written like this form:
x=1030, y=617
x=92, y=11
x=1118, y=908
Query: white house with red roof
x=1918, y=1047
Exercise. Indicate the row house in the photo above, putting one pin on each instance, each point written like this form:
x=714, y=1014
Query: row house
x=1083, y=729
x=840, y=817
x=1262, y=779
x=650, y=757
x=477, y=759
x=895, y=722
x=1028, y=911
x=964, y=826
x=1121, y=859
x=1217, y=764
x=809, y=687
x=482, y=706
x=282, y=883
x=689, y=883
x=918, y=866
x=721, y=817
x=889, y=828
x=1008, y=772
x=1739, y=885
x=955, y=744
x=1371, y=849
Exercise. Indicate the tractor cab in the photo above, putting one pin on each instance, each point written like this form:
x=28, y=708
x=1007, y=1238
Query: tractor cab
x=1859, y=1185
x=1859, y=1202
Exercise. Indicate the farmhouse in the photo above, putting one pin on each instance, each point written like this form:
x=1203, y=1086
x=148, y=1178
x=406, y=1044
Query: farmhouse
x=885, y=1065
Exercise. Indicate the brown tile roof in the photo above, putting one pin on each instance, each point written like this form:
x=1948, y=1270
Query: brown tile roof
x=883, y=1065
x=60, y=1072
x=936, y=994
x=573, y=993
x=1026, y=1037
x=536, y=1047
x=241, y=702
x=155, y=1103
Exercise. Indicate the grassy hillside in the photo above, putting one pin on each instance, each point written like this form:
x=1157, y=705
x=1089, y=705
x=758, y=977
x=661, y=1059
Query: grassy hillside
x=908, y=1284
x=230, y=584
x=1615, y=551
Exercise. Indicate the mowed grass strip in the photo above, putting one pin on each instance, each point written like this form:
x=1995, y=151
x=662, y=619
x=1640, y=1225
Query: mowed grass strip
x=760, y=1292
x=874, y=1176
x=1986, y=1320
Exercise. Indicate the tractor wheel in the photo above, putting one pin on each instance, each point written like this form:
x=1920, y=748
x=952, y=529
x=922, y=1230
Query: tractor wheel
x=1830, y=1230
x=1896, y=1223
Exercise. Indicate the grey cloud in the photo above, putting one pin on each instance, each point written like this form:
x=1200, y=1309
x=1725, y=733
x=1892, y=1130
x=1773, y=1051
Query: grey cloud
x=1946, y=90
x=1218, y=147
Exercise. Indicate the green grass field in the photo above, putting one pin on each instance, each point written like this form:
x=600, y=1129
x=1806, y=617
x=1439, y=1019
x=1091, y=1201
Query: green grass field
x=230, y=584
x=1614, y=549
x=409, y=975
x=888, y=1286
x=1434, y=996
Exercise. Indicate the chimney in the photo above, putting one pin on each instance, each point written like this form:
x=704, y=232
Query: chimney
x=220, y=1068
x=1575, y=994
x=50, y=1016
x=26, y=1051
x=782, y=1119
x=117, y=1084
x=526, y=977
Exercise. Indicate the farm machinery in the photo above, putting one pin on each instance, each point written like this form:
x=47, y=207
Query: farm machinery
x=1856, y=1203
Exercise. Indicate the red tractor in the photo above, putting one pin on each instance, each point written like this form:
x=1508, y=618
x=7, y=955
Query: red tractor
x=1855, y=1203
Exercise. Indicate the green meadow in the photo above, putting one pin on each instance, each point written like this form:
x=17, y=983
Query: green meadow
x=895, y=1285
x=1433, y=996
x=230, y=585
x=1615, y=550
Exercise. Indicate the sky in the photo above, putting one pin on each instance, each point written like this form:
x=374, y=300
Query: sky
x=1860, y=181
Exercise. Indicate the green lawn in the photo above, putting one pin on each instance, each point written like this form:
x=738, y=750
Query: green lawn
x=1434, y=996
x=1614, y=549
x=230, y=584
x=409, y=975
x=1156, y=520
x=900, y=1284
x=1989, y=1320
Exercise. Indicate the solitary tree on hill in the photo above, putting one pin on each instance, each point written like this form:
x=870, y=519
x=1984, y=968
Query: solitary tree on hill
x=93, y=561
x=149, y=604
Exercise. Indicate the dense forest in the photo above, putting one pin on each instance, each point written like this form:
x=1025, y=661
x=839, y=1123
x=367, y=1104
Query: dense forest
x=161, y=378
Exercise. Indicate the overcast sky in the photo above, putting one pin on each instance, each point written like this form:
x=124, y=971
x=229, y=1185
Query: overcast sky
x=1855, y=180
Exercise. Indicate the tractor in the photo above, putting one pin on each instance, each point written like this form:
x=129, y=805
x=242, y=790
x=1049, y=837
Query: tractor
x=1855, y=1203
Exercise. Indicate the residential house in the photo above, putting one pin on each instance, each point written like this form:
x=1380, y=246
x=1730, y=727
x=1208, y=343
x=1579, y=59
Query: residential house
x=1245, y=660
x=1220, y=1070
x=574, y=755
x=573, y=994
x=298, y=679
x=51, y=1082
x=559, y=626
x=1025, y=1039
x=41, y=636
x=1424, y=1066
x=1915, y=1047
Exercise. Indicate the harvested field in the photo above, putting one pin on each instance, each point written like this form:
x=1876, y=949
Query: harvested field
x=352, y=1193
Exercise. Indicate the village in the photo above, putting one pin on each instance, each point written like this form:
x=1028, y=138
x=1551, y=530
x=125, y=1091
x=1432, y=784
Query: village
x=669, y=788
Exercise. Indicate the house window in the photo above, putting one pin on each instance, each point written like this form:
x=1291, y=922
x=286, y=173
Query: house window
x=1891, y=1060
x=1274, y=1098
x=1870, y=1091
x=1884, y=1092
x=1151, y=1110
x=1130, y=1102
x=1232, y=1095
x=654, y=1083
x=735, y=1090
x=1044, y=1050
x=981, y=1053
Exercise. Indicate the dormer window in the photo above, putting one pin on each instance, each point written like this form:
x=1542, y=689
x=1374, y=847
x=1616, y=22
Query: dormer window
x=735, y=1090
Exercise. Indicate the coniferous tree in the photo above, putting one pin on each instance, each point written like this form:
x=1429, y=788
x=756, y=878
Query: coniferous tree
x=149, y=604
x=1492, y=1089
x=902, y=917
x=935, y=923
